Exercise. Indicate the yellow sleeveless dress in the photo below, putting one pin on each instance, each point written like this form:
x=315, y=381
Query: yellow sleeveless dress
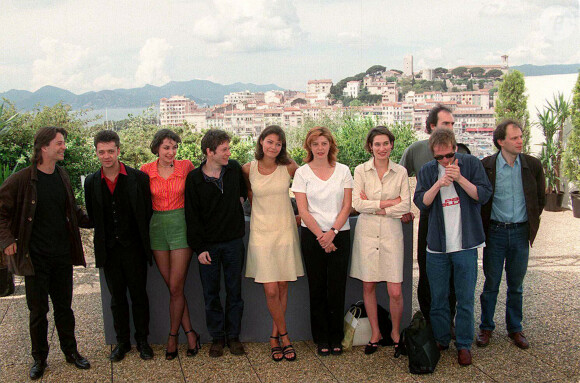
x=273, y=247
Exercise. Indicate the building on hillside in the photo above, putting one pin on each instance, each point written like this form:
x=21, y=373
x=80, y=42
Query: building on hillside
x=504, y=61
x=239, y=97
x=408, y=65
x=173, y=111
x=428, y=74
x=292, y=117
x=379, y=86
x=474, y=120
x=352, y=89
x=391, y=73
x=318, y=91
x=319, y=86
x=274, y=97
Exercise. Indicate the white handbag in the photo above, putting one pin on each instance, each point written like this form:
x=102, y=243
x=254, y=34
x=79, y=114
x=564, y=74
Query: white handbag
x=357, y=329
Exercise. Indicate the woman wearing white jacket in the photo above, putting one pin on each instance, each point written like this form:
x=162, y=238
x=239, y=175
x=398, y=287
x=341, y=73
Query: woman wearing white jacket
x=381, y=195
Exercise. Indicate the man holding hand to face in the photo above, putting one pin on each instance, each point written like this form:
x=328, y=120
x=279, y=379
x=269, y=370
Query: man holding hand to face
x=452, y=187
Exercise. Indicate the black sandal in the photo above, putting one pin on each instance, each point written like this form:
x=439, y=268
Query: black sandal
x=400, y=349
x=191, y=352
x=371, y=348
x=288, y=350
x=171, y=355
x=276, y=351
x=336, y=349
x=323, y=349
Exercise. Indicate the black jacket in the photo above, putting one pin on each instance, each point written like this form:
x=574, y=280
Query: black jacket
x=534, y=185
x=138, y=189
x=213, y=216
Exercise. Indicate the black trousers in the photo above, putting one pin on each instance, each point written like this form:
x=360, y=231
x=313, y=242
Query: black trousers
x=53, y=277
x=327, y=284
x=126, y=269
x=423, y=290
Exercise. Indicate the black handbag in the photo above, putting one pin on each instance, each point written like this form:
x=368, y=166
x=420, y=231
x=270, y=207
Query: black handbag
x=420, y=346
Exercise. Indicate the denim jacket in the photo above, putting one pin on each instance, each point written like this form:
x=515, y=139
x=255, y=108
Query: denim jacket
x=472, y=226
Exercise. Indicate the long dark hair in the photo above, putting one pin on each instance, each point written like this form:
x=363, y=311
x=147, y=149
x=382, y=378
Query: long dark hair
x=282, y=158
x=42, y=138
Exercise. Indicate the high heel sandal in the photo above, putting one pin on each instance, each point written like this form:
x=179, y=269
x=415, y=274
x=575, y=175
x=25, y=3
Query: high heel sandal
x=171, y=355
x=276, y=352
x=191, y=352
x=287, y=350
x=371, y=347
x=400, y=348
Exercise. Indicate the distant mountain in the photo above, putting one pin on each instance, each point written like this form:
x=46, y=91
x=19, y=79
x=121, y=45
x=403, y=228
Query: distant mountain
x=543, y=70
x=201, y=91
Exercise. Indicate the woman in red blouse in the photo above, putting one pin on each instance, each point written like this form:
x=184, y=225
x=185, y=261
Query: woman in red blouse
x=168, y=233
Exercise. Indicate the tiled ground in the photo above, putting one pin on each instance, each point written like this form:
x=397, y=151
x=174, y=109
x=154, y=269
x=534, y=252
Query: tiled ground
x=551, y=314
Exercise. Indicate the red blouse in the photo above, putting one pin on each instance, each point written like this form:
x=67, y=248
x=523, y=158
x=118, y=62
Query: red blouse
x=168, y=194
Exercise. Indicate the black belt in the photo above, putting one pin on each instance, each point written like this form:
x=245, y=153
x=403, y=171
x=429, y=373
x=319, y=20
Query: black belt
x=506, y=225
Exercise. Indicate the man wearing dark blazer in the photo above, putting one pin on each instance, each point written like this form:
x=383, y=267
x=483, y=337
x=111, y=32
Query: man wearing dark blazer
x=511, y=219
x=118, y=201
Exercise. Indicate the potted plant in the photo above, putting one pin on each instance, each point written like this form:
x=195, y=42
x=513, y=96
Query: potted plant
x=6, y=278
x=571, y=156
x=552, y=120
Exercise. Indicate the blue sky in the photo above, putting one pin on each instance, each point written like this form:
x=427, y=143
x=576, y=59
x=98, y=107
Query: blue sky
x=83, y=45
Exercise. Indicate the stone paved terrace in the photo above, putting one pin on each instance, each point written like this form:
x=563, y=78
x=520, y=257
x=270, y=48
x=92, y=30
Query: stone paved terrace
x=551, y=323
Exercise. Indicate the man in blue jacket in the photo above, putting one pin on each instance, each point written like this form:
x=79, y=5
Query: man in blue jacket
x=452, y=188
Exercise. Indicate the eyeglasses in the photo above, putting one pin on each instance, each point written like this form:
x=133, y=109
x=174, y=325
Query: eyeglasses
x=442, y=156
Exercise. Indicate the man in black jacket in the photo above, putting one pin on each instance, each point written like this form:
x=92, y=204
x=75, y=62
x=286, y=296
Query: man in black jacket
x=118, y=201
x=39, y=233
x=215, y=231
x=511, y=220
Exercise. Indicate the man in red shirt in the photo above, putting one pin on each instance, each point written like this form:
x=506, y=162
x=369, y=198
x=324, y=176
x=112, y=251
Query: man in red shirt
x=119, y=205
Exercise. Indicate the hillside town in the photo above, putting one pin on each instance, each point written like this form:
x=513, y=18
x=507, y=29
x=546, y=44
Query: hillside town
x=471, y=98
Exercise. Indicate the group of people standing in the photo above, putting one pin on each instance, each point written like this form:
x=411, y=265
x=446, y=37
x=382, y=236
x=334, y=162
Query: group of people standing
x=168, y=210
x=467, y=204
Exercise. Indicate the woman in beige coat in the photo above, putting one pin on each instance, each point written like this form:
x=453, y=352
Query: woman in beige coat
x=381, y=195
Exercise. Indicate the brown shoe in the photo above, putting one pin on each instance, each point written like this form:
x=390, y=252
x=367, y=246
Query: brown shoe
x=217, y=348
x=236, y=347
x=464, y=357
x=483, y=338
x=519, y=340
x=440, y=347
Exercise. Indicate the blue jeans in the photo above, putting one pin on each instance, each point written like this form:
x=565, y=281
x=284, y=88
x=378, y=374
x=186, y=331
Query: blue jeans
x=231, y=255
x=509, y=246
x=439, y=265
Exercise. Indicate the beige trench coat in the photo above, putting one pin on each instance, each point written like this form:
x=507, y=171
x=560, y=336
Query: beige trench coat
x=377, y=253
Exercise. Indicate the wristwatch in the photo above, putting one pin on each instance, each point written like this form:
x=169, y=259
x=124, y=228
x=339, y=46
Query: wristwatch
x=334, y=230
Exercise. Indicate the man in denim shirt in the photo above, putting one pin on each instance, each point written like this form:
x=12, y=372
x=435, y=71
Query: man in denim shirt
x=511, y=220
x=452, y=187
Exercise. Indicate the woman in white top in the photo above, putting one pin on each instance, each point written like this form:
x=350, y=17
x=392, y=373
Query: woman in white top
x=381, y=195
x=323, y=190
x=273, y=248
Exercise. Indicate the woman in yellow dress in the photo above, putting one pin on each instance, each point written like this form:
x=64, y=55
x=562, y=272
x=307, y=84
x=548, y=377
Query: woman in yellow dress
x=273, y=247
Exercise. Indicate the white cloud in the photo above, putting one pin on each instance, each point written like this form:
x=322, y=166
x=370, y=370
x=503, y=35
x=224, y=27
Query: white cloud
x=62, y=65
x=558, y=23
x=108, y=81
x=151, y=68
x=249, y=26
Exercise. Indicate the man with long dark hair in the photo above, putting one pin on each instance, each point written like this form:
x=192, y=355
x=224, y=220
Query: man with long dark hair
x=39, y=232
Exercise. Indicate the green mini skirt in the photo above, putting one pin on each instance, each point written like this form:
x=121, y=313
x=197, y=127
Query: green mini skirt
x=168, y=230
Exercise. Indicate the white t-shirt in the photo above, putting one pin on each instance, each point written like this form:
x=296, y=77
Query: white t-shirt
x=324, y=197
x=451, y=215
